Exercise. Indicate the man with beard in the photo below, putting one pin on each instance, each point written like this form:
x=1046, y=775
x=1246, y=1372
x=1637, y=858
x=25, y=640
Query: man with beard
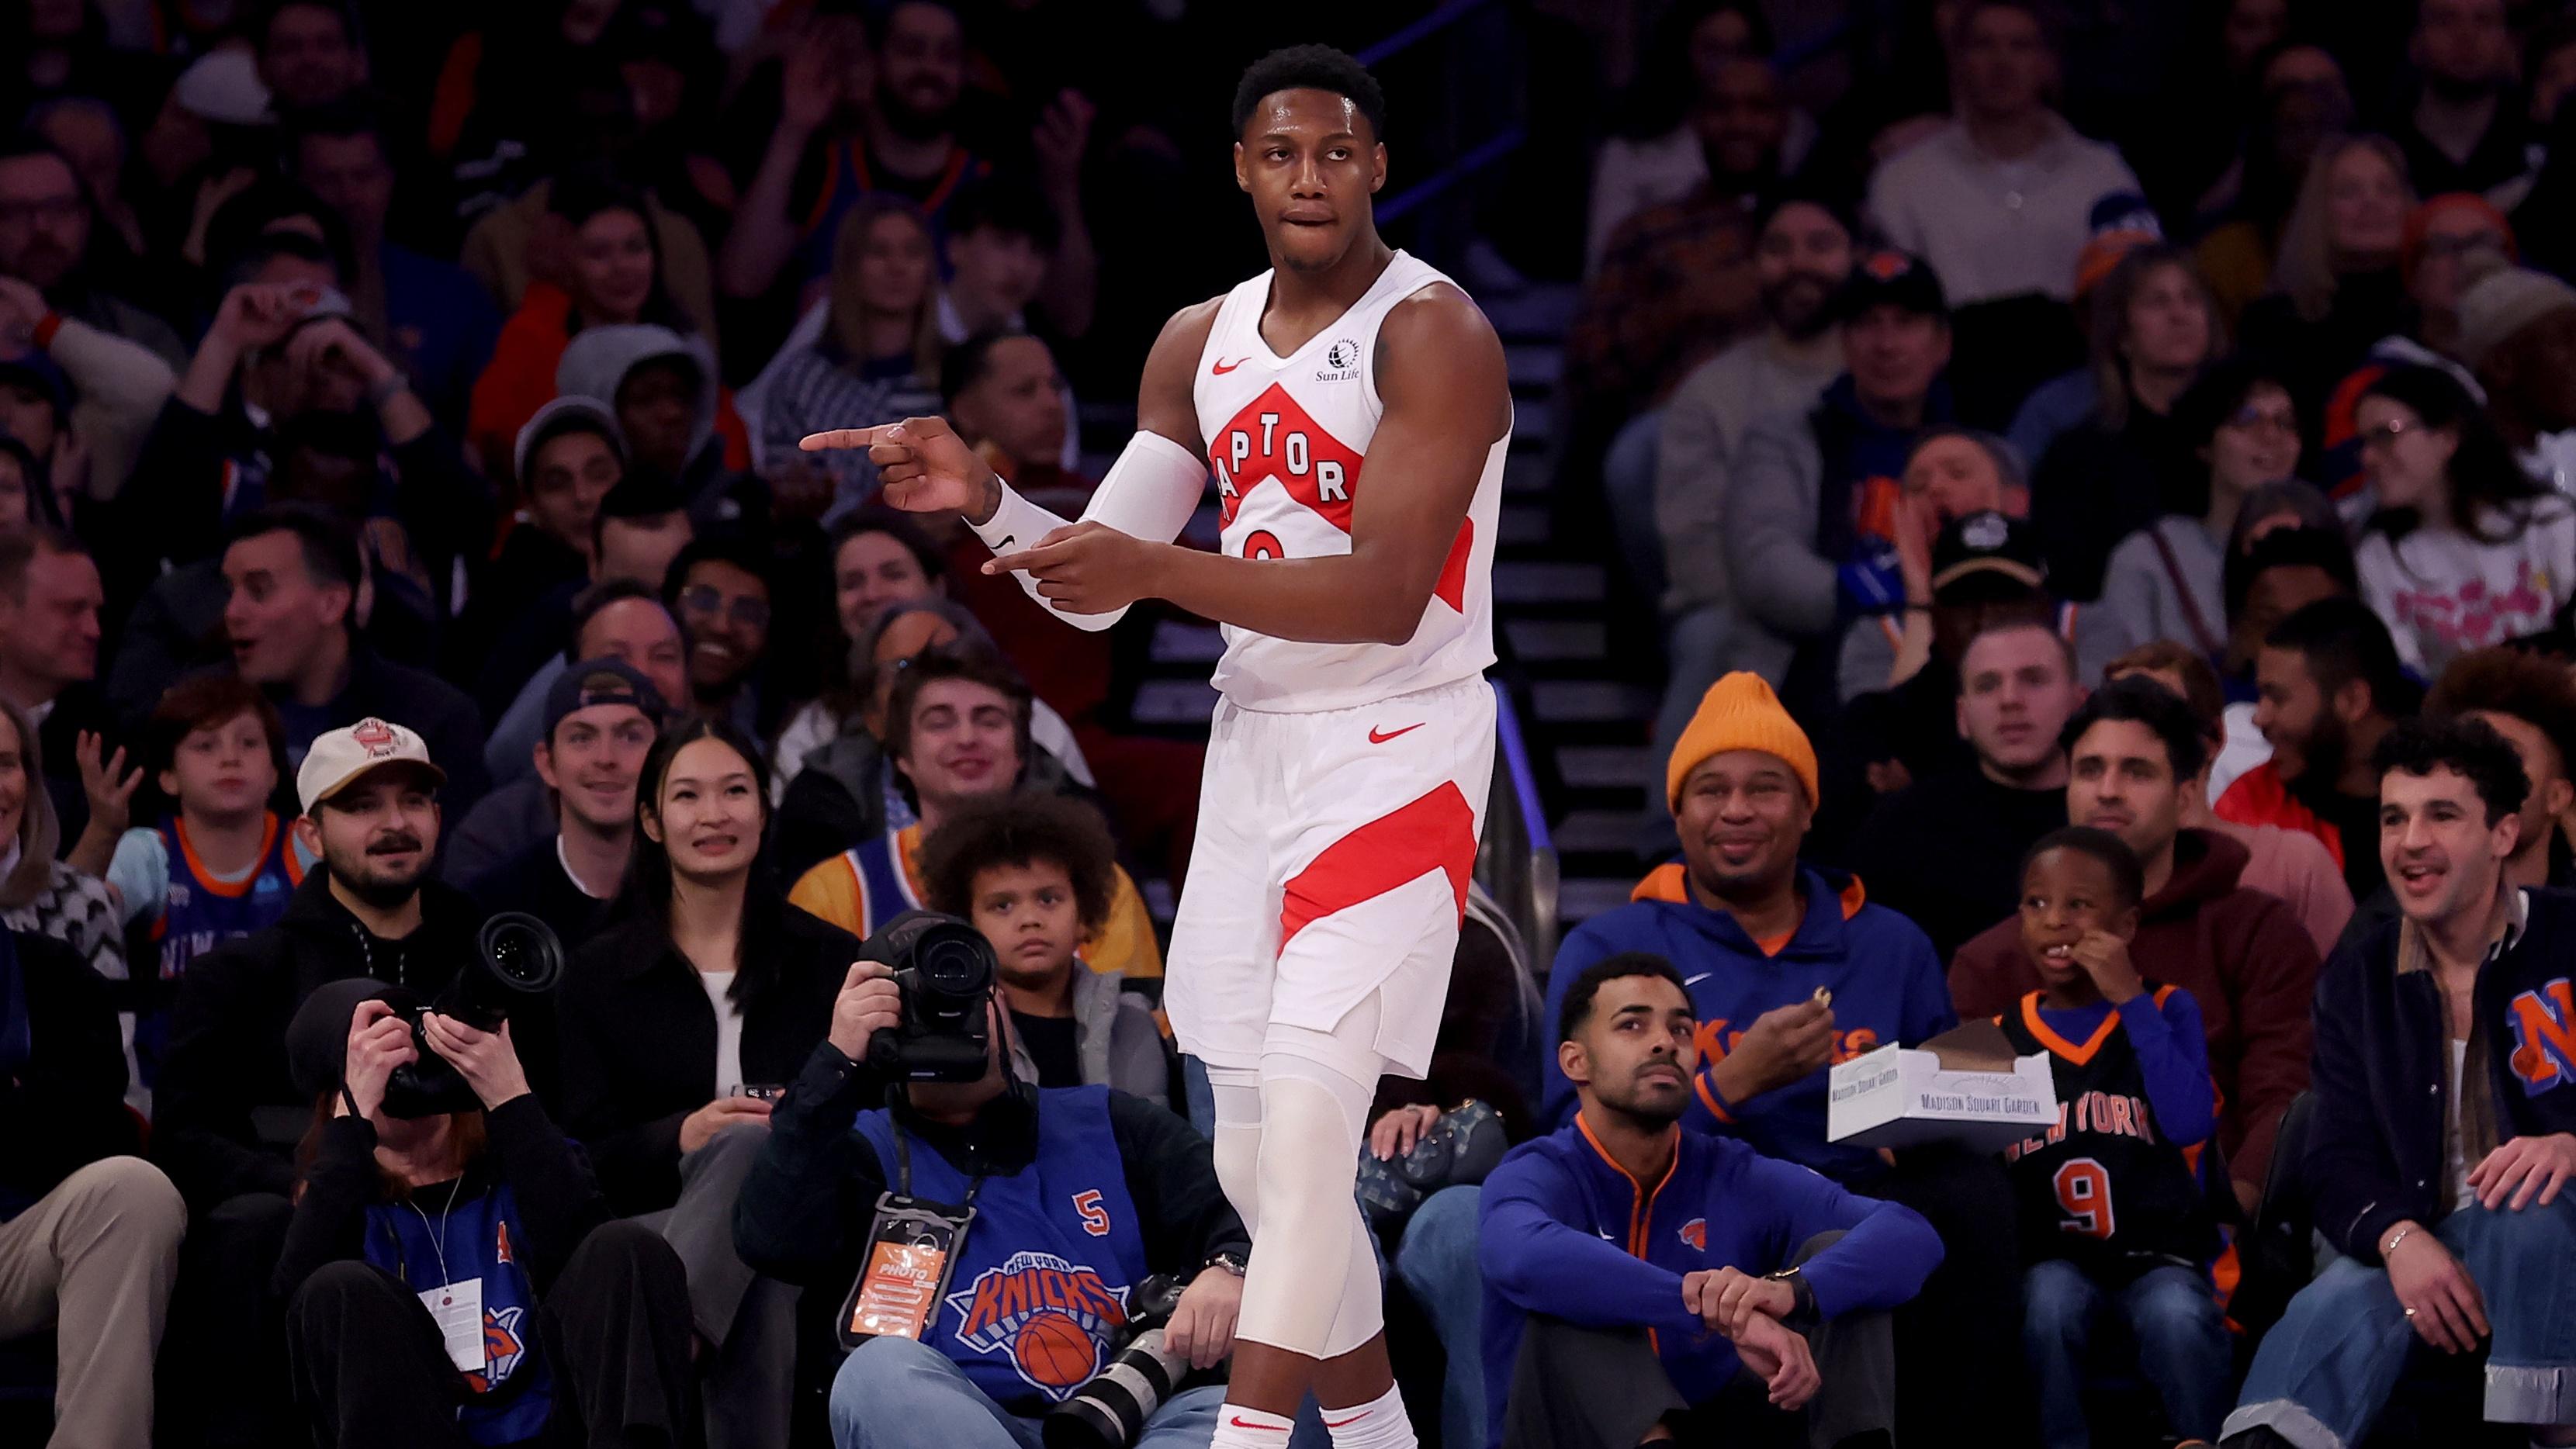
x=601, y=715
x=1802, y=252
x=2328, y=686
x=1765, y=1281
x=718, y=588
x=2134, y=757
x=1947, y=849
x=45, y=218
x=2464, y=133
x=227, y=1115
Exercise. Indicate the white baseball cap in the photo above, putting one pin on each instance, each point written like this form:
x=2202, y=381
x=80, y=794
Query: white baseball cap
x=339, y=758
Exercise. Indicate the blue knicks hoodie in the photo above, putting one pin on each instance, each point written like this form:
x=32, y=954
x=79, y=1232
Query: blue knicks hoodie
x=1566, y=1233
x=1887, y=986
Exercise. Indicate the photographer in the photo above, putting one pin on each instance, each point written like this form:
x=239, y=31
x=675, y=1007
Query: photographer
x=680, y=1019
x=227, y=1114
x=451, y=1275
x=1089, y=1186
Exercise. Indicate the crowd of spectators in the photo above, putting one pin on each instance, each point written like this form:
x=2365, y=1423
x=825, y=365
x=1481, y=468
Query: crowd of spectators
x=2102, y=479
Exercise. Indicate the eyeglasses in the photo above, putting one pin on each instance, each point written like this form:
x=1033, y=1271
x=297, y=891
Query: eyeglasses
x=706, y=601
x=2279, y=420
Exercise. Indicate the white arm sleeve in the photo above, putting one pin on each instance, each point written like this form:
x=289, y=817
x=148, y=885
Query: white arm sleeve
x=1149, y=493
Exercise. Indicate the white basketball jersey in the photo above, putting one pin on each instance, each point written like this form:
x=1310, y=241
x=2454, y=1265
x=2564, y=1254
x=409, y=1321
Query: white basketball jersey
x=1288, y=438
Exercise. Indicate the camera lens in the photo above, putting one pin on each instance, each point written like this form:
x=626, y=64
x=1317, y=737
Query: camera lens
x=952, y=962
x=522, y=951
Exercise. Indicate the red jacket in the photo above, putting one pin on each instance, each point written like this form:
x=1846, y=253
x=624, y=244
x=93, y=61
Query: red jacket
x=2261, y=797
x=2242, y=955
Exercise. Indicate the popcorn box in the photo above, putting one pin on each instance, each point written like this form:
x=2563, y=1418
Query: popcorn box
x=1964, y=1086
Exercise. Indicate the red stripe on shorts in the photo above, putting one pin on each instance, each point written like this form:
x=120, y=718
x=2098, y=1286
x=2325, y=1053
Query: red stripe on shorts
x=1435, y=832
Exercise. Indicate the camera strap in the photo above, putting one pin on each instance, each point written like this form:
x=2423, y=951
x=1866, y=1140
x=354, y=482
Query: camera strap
x=912, y=1251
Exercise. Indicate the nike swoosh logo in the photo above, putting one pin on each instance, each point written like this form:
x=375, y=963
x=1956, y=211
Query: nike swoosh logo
x=1695, y=980
x=1007, y=540
x=1376, y=738
x=1237, y=1421
x=1221, y=367
x=1344, y=1423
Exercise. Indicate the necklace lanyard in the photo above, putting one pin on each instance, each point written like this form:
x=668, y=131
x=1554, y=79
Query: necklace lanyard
x=903, y=1165
x=438, y=1235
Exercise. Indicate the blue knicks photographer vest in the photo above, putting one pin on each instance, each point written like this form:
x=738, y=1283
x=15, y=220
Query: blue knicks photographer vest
x=1040, y=1288
x=476, y=1238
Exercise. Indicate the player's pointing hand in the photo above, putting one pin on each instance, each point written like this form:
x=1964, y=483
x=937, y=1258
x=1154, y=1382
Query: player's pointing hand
x=1084, y=568
x=925, y=466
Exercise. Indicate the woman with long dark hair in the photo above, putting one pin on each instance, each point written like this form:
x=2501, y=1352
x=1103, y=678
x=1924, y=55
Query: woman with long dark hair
x=2461, y=548
x=681, y=1022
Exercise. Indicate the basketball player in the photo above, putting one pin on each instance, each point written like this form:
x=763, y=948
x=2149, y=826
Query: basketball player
x=1348, y=762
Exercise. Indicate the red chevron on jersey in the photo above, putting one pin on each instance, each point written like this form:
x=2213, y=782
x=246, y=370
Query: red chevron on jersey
x=1274, y=440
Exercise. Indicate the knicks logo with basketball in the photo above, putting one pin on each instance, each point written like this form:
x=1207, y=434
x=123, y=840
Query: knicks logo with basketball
x=503, y=1348
x=1050, y=1319
x=2544, y=1036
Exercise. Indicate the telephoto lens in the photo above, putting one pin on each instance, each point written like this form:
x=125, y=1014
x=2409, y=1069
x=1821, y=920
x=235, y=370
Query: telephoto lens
x=1111, y=1410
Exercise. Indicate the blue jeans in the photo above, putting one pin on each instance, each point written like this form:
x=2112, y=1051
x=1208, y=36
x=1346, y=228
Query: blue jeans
x=2327, y=1368
x=1436, y=1258
x=895, y=1393
x=2173, y=1317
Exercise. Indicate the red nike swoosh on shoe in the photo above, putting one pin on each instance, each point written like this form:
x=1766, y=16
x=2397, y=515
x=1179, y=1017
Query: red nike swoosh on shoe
x=1221, y=367
x=1376, y=738
x=1237, y=1421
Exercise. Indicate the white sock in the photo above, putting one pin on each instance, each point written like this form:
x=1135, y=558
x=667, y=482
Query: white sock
x=1240, y=1428
x=1378, y=1424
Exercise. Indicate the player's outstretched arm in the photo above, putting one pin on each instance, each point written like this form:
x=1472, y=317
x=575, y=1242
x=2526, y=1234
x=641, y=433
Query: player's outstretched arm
x=924, y=466
x=1448, y=400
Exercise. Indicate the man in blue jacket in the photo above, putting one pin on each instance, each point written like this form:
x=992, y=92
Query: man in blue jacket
x=1639, y=1275
x=2445, y=1130
x=1790, y=969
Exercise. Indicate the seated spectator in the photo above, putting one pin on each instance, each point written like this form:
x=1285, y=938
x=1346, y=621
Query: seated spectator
x=876, y=354
x=2336, y=288
x=2122, y=223
x=957, y=729
x=1035, y=874
x=226, y=1112
x=2452, y=240
x=2464, y=132
x=2444, y=1205
x=53, y=252
x=2163, y=581
x=89, y=1233
x=2136, y=1098
x=309, y=55
x=1998, y=200
x=567, y=1316
x=1000, y=245
x=2134, y=756
x=2462, y=548
x=38, y=893
x=1802, y=254
x=681, y=1021
x=601, y=716
x=1766, y=1282
x=677, y=420
x=50, y=598
x=2330, y=687
x=2275, y=567
x=1676, y=282
x=2518, y=335
x=567, y=460
x=294, y=577
x=612, y=276
x=2155, y=326
x=1946, y=850
x=639, y=530
x=1808, y=541
x=1144, y=1199
x=81, y=399
x=2289, y=865
x=437, y=317
x=879, y=558
x=2305, y=104
x=219, y=865
x=617, y=619
x=1643, y=167
x=719, y=589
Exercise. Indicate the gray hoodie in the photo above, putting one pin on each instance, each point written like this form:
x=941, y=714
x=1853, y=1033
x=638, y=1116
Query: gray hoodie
x=1115, y=1034
x=597, y=359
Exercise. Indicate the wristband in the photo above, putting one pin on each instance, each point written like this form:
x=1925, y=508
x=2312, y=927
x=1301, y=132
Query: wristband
x=1016, y=523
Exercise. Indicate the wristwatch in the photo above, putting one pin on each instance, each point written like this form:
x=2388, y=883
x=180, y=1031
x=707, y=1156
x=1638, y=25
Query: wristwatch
x=1230, y=1261
x=1804, y=1309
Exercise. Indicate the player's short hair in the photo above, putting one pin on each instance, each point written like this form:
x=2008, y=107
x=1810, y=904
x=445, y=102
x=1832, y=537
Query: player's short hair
x=2145, y=702
x=1576, y=1009
x=1021, y=829
x=2469, y=747
x=2200, y=687
x=1315, y=68
x=2503, y=680
x=2128, y=877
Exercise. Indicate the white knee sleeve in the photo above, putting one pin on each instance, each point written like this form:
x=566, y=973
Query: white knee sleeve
x=1238, y=1141
x=1314, y=1285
